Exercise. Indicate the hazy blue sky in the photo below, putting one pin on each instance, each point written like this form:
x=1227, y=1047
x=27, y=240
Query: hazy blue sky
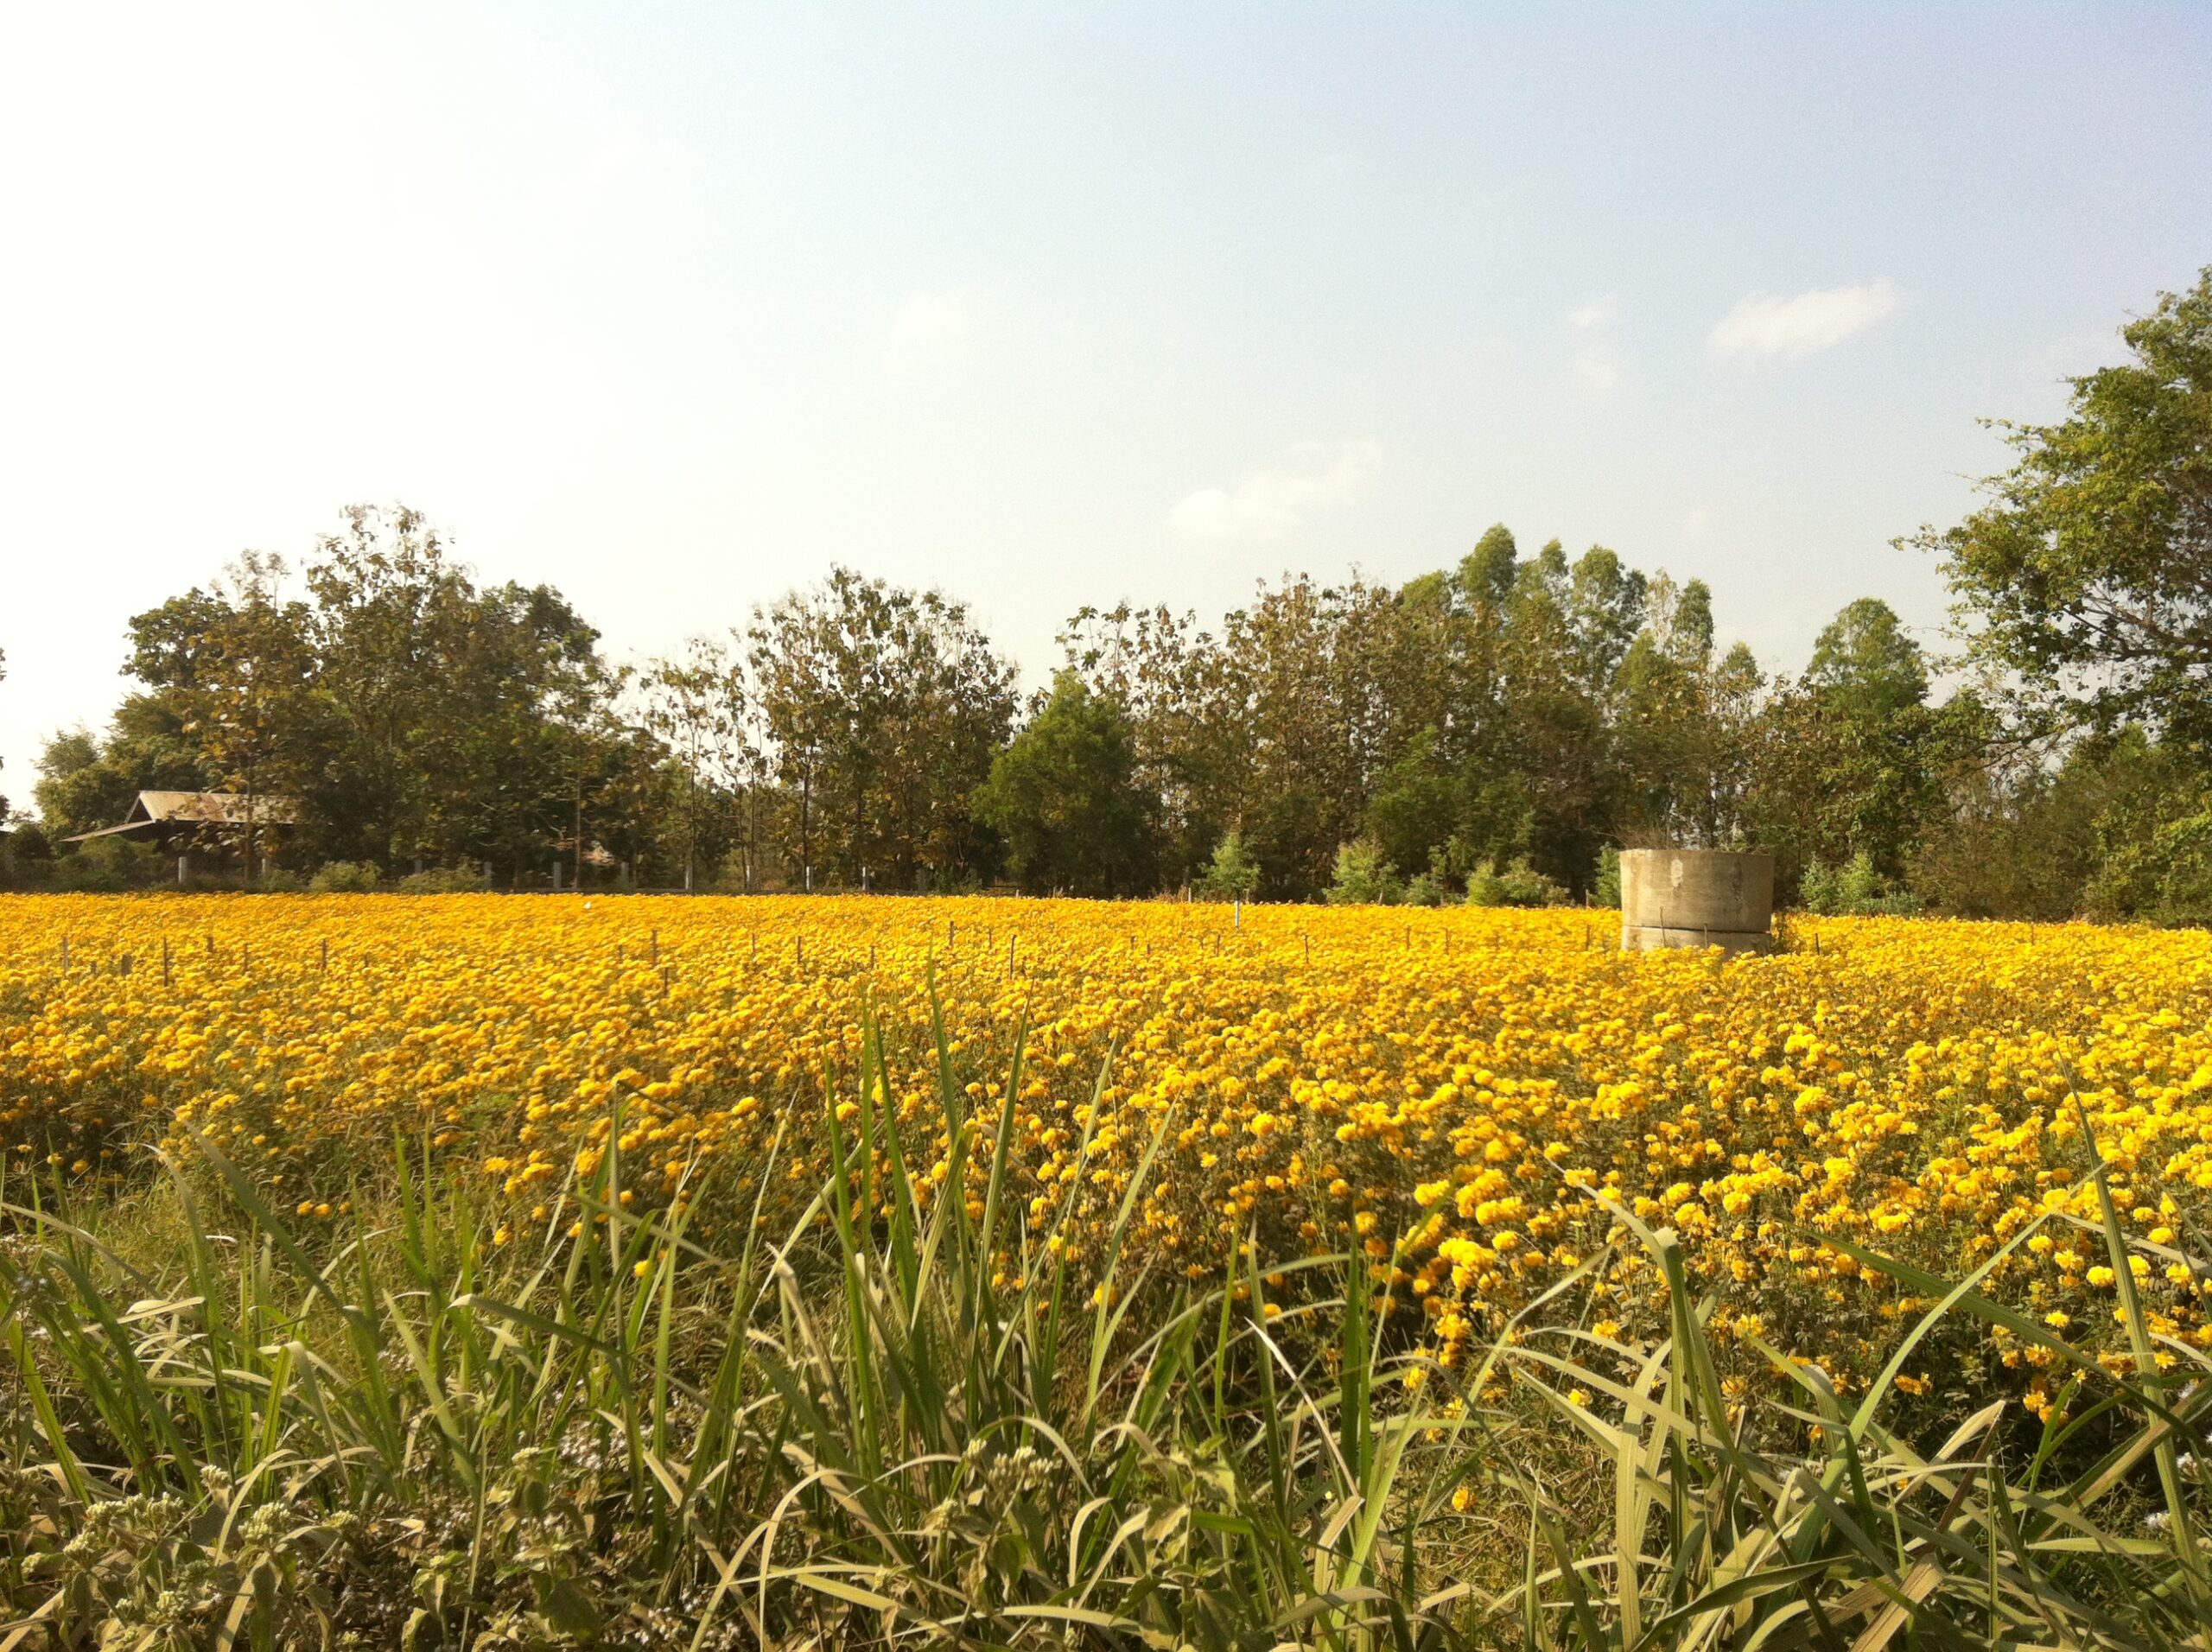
x=674, y=306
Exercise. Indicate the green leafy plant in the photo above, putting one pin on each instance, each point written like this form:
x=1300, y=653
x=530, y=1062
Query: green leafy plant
x=441, y=881
x=344, y=878
x=902, y=1408
x=1853, y=889
x=1519, y=884
x=1364, y=877
x=1232, y=874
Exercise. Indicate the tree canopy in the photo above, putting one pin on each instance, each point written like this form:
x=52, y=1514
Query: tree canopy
x=2087, y=574
x=1062, y=798
x=1492, y=729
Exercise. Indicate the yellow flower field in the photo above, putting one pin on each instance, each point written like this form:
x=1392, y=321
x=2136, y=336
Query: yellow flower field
x=1452, y=1088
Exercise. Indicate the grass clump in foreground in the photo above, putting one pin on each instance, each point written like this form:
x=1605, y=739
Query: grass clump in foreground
x=904, y=1420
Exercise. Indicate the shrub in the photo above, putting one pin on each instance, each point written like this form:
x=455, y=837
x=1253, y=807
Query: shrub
x=345, y=878
x=28, y=843
x=1518, y=885
x=1364, y=876
x=441, y=881
x=1608, y=892
x=107, y=865
x=2167, y=879
x=1232, y=875
x=1426, y=889
x=1853, y=889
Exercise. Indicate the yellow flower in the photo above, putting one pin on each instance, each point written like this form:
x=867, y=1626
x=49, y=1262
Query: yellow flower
x=1469, y=1114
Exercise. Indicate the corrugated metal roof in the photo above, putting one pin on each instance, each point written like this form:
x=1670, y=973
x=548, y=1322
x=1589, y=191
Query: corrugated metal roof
x=199, y=809
x=215, y=808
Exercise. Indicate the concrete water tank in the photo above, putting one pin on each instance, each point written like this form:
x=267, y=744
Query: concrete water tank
x=1721, y=898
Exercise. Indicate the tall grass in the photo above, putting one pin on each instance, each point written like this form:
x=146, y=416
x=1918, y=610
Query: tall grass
x=899, y=1416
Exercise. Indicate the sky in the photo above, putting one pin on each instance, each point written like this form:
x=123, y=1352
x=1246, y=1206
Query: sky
x=675, y=306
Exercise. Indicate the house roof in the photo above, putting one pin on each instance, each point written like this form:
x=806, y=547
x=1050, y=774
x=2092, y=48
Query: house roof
x=153, y=809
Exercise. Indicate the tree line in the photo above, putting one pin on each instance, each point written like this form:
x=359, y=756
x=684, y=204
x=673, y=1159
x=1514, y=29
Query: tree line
x=1491, y=729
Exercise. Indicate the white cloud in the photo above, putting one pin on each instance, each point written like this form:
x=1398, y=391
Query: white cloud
x=929, y=330
x=1763, y=325
x=1596, y=313
x=1270, y=503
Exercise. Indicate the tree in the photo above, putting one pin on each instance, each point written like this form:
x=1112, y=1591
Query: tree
x=1363, y=876
x=1683, y=724
x=1416, y=806
x=700, y=705
x=1064, y=798
x=234, y=663
x=2089, y=573
x=87, y=781
x=1232, y=874
x=1865, y=664
x=414, y=714
x=1186, y=702
x=447, y=708
x=885, y=708
x=1551, y=722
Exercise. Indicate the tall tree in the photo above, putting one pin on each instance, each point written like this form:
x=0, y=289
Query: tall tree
x=2089, y=573
x=448, y=705
x=885, y=708
x=234, y=661
x=1865, y=662
x=1063, y=797
x=1677, y=720
x=700, y=704
x=87, y=781
x=1850, y=759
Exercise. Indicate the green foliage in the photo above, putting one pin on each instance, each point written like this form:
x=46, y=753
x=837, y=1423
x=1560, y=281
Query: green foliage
x=1426, y=889
x=2090, y=568
x=86, y=781
x=878, y=1415
x=1364, y=877
x=1866, y=664
x=2166, y=879
x=1417, y=804
x=1231, y=875
x=884, y=707
x=1062, y=798
x=440, y=880
x=701, y=707
x=345, y=878
x=1608, y=890
x=28, y=844
x=856, y=733
x=1834, y=779
x=1853, y=889
x=1519, y=884
x=1512, y=708
x=109, y=865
